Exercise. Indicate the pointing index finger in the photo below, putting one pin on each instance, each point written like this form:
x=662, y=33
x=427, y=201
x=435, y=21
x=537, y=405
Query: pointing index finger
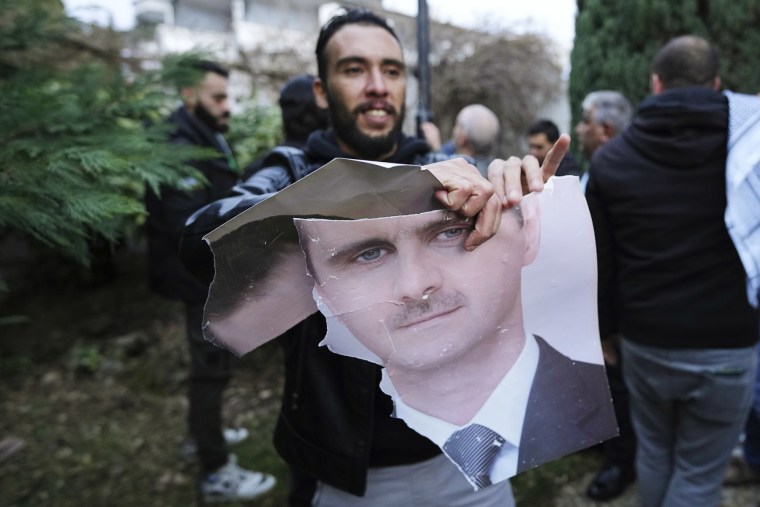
x=554, y=157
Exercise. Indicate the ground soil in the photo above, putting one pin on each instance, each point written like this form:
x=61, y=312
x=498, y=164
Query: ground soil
x=92, y=405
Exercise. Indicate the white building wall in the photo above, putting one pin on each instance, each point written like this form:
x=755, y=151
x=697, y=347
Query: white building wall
x=275, y=39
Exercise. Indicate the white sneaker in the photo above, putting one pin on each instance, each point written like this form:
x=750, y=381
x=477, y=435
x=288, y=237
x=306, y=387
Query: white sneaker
x=235, y=435
x=231, y=483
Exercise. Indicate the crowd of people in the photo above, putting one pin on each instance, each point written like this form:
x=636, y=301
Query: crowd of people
x=679, y=332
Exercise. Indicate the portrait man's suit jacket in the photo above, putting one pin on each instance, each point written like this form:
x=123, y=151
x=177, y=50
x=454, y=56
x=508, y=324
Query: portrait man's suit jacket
x=568, y=409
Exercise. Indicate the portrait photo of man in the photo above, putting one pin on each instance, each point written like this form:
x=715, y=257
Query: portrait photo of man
x=466, y=363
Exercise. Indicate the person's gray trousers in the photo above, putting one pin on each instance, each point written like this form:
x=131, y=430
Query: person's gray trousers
x=688, y=408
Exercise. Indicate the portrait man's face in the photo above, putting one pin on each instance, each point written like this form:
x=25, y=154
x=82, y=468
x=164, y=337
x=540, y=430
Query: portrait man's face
x=408, y=290
x=365, y=90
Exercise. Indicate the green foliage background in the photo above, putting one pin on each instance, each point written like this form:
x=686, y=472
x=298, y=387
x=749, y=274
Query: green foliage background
x=254, y=130
x=82, y=130
x=615, y=41
x=76, y=145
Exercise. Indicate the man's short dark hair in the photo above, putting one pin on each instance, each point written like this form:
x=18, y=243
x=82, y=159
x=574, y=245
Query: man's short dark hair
x=546, y=127
x=357, y=16
x=187, y=70
x=209, y=66
x=687, y=60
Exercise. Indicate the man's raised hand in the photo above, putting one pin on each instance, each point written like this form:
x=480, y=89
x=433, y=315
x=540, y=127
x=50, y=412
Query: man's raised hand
x=468, y=193
x=512, y=178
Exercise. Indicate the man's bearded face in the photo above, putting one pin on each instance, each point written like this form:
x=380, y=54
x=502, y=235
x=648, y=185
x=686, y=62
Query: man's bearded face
x=345, y=124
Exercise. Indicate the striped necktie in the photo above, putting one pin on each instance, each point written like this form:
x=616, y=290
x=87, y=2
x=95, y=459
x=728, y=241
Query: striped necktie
x=474, y=448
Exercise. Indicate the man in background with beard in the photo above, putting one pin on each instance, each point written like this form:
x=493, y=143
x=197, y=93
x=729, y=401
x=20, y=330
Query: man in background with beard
x=200, y=121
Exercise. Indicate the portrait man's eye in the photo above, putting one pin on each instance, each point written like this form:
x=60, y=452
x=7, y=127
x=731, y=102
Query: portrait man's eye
x=450, y=234
x=371, y=254
x=454, y=233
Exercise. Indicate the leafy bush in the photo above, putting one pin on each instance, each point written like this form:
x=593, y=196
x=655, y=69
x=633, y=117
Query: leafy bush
x=80, y=136
x=254, y=131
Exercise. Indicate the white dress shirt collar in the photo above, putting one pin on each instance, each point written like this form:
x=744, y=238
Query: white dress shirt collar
x=503, y=411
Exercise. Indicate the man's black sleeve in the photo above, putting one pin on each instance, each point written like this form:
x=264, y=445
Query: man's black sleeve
x=605, y=255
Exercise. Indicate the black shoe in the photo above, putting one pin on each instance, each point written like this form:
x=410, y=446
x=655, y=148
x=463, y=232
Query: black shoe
x=610, y=482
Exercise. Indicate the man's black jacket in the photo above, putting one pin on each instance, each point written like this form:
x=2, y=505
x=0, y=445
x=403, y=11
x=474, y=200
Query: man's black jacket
x=669, y=275
x=167, y=213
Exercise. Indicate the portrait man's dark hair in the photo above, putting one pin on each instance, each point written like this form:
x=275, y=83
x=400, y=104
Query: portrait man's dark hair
x=243, y=261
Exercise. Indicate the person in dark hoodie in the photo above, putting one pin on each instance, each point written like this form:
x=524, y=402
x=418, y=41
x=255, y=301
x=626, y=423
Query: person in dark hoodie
x=335, y=428
x=200, y=121
x=300, y=113
x=671, y=284
x=300, y=116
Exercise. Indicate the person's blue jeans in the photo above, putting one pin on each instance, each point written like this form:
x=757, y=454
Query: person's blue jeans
x=752, y=428
x=688, y=407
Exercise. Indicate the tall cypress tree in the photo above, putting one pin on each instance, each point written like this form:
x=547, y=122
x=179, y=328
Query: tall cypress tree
x=733, y=28
x=615, y=41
